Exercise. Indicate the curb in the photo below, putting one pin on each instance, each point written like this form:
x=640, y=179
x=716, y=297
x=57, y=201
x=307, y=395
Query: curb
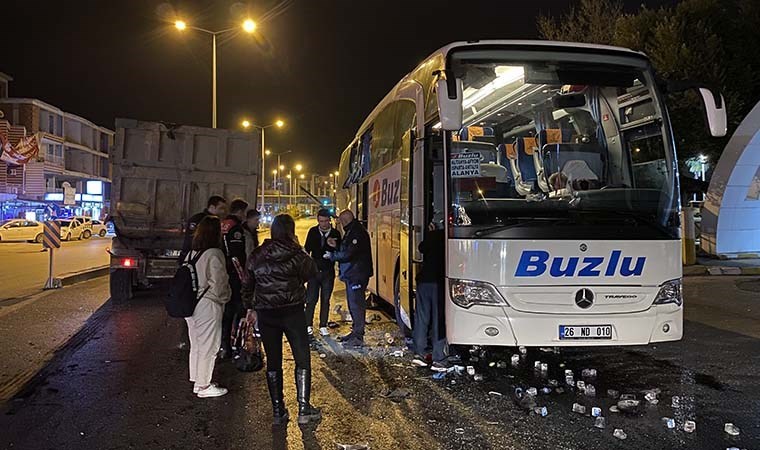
x=77, y=277
x=698, y=270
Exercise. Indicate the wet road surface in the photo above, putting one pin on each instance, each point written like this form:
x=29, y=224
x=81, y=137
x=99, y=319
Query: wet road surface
x=25, y=266
x=120, y=382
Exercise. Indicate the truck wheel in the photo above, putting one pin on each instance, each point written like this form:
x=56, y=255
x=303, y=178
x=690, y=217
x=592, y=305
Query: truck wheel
x=121, y=285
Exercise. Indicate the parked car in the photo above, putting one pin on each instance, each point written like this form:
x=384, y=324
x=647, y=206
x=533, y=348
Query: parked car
x=74, y=228
x=21, y=230
x=99, y=228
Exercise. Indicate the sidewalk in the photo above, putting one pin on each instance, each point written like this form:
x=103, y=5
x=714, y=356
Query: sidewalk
x=710, y=266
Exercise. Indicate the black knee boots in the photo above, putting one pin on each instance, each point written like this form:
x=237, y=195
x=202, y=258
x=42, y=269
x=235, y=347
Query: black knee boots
x=274, y=383
x=306, y=413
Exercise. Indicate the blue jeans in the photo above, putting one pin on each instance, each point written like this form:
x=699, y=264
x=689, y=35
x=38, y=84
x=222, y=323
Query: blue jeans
x=357, y=305
x=429, y=321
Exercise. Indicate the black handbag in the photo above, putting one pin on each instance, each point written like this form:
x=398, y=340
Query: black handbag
x=248, y=355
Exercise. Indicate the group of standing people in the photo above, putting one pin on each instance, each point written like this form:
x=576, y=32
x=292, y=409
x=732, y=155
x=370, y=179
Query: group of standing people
x=277, y=284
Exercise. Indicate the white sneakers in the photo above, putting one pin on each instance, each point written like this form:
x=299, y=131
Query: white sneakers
x=324, y=331
x=211, y=391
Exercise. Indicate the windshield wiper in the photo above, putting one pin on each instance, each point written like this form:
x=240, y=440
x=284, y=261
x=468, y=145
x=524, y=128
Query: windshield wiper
x=497, y=228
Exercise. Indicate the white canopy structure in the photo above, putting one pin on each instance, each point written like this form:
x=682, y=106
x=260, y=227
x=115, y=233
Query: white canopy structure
x=731, y=213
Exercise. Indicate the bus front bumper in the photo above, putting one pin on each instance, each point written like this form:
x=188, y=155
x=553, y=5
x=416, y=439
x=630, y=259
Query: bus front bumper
x=505, y=326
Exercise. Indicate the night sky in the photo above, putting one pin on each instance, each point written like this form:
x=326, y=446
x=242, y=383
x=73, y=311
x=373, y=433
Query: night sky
x=320, y=65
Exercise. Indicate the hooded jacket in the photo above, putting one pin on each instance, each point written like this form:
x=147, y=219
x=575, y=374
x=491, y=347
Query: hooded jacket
x=277, y=272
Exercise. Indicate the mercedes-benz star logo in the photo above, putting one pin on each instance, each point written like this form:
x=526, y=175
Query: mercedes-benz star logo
x=584, y=298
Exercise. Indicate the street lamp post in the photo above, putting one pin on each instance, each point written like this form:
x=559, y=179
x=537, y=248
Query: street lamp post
x=247, y=124
x=249, y=26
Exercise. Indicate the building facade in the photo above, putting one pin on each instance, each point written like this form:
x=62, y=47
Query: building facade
x=72, y=150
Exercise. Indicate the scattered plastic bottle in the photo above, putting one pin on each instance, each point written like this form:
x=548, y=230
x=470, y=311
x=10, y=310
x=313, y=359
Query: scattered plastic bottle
x=600, y=422
x=620, y=434
x=675, y=402
x=669, y=423
x=596, y=411
x=689, y=426
x=470, y=370
x=731, y=429
x=515, y=360
x=532, y=391
x=581, y=385
x=541, y=411
x=611, y=393
x=578, y=408
x=590, y=390
x=588, y=373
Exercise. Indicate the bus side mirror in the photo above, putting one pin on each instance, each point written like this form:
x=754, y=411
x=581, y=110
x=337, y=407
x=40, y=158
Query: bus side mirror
x=715, y=110
x=449, y=95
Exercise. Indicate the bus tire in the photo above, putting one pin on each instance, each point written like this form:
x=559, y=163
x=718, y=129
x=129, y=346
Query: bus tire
x=120, y=284
x=405, y=330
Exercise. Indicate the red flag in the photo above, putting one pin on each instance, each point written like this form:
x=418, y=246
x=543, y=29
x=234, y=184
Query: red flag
x=26, y=150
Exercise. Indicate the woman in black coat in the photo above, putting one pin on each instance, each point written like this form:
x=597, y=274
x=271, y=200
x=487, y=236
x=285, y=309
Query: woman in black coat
x=278, y=270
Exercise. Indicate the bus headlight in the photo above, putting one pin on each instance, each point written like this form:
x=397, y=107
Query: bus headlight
x=670, y=292
x=466, y=293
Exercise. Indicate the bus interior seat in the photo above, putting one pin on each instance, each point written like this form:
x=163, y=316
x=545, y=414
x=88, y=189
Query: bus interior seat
x=471, y=132
x=557, y=156
x=545, y=137
x=523, y=168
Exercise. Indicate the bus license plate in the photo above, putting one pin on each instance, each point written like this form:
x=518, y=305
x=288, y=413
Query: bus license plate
x=585, y=332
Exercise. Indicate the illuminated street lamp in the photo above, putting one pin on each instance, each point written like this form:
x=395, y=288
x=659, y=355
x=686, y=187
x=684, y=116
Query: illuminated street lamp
x=264, y=153
x=249, y=26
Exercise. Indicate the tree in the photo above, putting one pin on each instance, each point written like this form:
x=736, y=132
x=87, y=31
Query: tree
x=715, y=42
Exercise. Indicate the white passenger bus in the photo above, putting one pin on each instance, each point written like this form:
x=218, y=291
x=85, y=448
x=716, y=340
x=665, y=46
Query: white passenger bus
x=554, y=168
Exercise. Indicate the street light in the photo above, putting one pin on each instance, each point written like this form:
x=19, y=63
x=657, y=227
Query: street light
x=249, y=26
x=248, y=124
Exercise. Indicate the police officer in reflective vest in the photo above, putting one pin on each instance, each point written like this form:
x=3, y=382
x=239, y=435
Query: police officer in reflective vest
x=355, y=262
x=233, y=237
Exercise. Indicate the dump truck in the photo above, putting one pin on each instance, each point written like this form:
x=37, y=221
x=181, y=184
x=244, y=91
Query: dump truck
x=162, y=175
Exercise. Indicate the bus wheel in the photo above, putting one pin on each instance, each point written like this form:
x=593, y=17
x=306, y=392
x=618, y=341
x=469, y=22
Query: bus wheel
x=405, y=330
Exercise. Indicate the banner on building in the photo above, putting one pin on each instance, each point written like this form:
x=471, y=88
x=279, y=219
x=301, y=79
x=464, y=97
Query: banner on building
x=27, y=149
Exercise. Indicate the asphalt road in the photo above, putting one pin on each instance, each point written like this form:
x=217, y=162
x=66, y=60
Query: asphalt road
x=120, y=382
x=25, y=266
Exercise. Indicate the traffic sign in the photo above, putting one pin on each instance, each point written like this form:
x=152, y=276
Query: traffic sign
x=51, y=237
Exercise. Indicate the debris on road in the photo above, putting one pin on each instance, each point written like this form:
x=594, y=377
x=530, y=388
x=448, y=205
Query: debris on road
x=614, y=409
x=651, y=397
x=620, y=434
x=596, y=411
x=628, y=405
x=600, y=422
x=353, y=446
x=588, y=373
x=675, y=402
x=396, y=395
x=689, y=426
x=478, y=377
x=611, y=393
x=501, y=364
x=669, y=423
x=515, y=360
x=731, y=429
x=498, y=394
x=590, y=390
x=439, y=375
x=541, y=411
x=578, y=408
x=459, y=431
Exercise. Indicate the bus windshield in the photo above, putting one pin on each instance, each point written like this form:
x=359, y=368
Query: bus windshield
x=559, y=140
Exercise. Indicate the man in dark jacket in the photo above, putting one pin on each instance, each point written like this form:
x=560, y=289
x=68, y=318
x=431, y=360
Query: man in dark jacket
x=216, y=206
x=233, y=238
x=429, y=308
x=355, y=261
x=321, y=239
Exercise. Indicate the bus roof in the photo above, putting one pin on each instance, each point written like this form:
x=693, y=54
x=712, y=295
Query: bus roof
x=444, y=51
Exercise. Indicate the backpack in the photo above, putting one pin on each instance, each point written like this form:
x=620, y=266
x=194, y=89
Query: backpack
x=183, y=292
